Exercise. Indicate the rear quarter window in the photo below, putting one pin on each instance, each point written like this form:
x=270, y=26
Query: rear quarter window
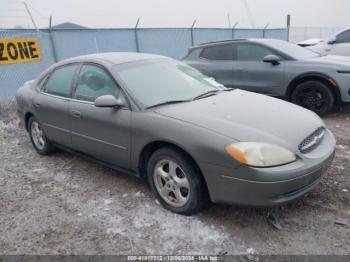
x=60, y=81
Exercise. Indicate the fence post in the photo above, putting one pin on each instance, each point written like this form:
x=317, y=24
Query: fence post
x=288, y=27
x=136, y=36
x=192, y=39
x=264, y=30
x=233, y=30
x=52, y=41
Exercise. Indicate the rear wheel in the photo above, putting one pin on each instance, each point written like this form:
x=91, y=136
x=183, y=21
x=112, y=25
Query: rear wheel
x=177, y=182
x=37, y=136
x=315, y=96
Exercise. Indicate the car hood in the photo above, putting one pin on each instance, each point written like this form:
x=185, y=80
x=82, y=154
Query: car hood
x=246, y=116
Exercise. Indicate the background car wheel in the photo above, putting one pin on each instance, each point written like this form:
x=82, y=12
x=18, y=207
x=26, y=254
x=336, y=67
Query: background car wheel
x=41, y=144
x=177, y=182
x=315, y=96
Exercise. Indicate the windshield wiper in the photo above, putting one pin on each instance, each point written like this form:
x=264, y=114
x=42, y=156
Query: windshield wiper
x=168, y=103
x=206, y=94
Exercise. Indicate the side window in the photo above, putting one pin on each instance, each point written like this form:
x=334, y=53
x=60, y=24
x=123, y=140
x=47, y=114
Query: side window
x=219, y=52
x=252, y=52
x=60, y=81
x=93, y=81
x=343, y=37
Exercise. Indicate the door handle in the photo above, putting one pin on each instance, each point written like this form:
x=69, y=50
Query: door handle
x=76, y=114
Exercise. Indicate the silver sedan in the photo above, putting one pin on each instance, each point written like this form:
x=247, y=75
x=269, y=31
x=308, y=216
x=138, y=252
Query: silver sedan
x=191, y=138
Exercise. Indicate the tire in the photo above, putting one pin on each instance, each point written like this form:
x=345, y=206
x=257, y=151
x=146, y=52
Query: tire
x=190, y=196
x=40, y=142
x=315, y=96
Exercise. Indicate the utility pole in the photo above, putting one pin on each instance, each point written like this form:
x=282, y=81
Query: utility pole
x=249, y=13
x=30, y=15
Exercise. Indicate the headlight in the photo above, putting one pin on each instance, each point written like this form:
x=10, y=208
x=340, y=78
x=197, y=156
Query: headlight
x=260, y=154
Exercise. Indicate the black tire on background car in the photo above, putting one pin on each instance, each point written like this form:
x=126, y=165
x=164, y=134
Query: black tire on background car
x=313, y=95
x=37, y=136
x=176, y=181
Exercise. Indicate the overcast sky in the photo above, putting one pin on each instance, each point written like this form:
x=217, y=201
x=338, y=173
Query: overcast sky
x=179, y=13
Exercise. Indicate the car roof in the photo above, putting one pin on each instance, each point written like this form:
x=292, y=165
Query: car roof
x=219, y=42
x=258, y=40
x=214, y=43
x=112, y=58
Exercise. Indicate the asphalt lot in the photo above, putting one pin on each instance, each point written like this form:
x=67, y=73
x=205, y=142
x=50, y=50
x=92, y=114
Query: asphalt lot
x=62, y=204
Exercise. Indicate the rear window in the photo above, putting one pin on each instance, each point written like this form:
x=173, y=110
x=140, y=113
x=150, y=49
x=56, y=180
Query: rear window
x=60, y=81
x=219, y=52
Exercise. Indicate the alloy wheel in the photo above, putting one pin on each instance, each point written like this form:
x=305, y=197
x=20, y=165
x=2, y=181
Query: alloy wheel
x=37, y=135
x=312, y=98
x=171, y=183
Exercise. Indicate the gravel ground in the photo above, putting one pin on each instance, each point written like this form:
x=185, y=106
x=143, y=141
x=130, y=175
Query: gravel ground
x=62, y=204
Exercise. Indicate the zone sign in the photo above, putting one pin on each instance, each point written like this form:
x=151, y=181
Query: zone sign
x=19, y=50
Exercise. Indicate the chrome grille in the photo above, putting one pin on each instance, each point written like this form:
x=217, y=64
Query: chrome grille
x=312, y=141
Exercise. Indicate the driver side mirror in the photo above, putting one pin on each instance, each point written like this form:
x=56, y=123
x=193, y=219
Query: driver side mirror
x=332, y=40
x=273, y=59
x=108, y=101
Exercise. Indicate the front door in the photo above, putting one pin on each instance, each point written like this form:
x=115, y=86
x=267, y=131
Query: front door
x=252, y=74
x=103, y=133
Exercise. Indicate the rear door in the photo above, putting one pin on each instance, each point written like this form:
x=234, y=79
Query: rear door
x=217, y=62
x=52, y=101
x=252, y=74
x=103, y=133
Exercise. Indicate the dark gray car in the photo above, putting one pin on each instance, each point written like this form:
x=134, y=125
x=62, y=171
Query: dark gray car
x=191, y=138
x=276, y=68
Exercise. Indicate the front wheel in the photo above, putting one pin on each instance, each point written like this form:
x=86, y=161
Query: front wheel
x=177, y=182
x=314, y=96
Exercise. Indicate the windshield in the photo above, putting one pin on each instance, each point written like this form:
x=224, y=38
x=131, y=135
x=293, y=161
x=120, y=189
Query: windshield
x=292, y=50
x=155, y=82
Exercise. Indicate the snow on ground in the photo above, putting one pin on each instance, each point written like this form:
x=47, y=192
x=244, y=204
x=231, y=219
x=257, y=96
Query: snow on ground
x=62, y=204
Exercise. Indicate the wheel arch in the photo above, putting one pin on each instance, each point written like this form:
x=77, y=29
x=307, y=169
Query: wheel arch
x=330, y=82
x=153, y=146
x=26, y=119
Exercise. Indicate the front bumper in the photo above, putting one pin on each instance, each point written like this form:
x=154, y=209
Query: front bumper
x=343, y=81
x=21, y=118
x=268, y=186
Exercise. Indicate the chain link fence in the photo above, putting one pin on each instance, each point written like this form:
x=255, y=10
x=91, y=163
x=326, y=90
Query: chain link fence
x=13, y=76
x=56, y=45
